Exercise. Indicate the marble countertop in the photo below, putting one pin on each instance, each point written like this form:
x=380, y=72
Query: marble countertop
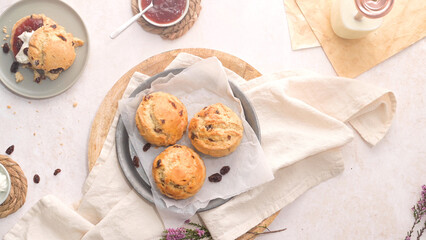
x=371, y=199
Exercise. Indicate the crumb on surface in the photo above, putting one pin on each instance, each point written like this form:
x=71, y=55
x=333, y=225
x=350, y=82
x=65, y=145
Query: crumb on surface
x=34, y=134
x=4, y=39
x=14, y=113
x=9, y=107
x=36, y=110
x=4, y=29
x=19, y=77
x=7, y=35
x=61, y=144
x=74, y=104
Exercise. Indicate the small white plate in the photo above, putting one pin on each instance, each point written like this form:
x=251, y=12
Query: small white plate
x=4, y=195
x=64, y=15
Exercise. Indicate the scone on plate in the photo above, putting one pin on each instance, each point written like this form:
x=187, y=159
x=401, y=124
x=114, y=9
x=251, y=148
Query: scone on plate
x=178, y=172
x=216, y=130
x=43, y=45
x=161, y=118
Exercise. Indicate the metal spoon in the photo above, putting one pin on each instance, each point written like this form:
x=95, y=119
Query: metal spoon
x=130, y=21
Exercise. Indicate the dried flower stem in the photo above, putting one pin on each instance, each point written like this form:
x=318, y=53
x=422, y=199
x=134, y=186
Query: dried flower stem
x=419, y=210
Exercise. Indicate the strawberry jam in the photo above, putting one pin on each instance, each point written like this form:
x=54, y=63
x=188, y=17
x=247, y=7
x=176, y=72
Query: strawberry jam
x=164, y=11
x=31, y=24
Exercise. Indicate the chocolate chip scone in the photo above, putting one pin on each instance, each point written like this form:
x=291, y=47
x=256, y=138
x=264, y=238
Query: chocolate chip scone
x=178, y=172
x=216, y=130
x=161, y=118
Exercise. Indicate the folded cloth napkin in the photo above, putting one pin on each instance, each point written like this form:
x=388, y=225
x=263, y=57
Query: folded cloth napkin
x=302, y=117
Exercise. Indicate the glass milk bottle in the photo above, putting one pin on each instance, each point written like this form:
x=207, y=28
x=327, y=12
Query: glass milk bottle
x=353, y=19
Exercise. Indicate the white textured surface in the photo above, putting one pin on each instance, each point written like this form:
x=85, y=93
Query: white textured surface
x=370, y=200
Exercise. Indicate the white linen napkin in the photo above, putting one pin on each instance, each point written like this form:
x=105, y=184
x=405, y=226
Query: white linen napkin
x=302, y=117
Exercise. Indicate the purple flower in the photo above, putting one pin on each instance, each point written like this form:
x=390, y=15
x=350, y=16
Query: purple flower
x=407, y=238
x=176, y=234
x=187, y=221
x=200, y=232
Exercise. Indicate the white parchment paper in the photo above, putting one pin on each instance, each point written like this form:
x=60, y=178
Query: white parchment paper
x=198, y=86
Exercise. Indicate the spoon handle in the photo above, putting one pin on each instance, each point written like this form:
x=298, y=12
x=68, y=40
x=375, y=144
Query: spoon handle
x=128, y=23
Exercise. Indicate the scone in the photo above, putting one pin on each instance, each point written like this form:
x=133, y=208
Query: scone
x=216, y=130
x=43, y=45
x=161, y=118
x=178, y=172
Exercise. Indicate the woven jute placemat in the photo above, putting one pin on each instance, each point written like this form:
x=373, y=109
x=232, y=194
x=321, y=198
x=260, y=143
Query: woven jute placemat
x=18, y=190
x=176, y=30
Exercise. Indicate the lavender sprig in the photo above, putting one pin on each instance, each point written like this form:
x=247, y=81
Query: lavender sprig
x=419, y=210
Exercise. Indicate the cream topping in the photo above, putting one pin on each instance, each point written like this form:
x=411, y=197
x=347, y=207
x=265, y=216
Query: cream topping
x=21, y=57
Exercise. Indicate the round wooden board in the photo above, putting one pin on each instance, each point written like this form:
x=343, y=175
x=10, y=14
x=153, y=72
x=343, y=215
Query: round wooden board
x=150, y=67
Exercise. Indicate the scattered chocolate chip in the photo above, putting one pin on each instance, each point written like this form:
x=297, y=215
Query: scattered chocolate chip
x=163, y=121
x=37, y=80
x=62, y=37
x=215, y=177
x=36, y=62
x=26, y=51
x=53, y=26
x=10, y=149
x=229, y=137
x=31, y=16
x=180, y=113
x=6, y=48
x=57, y=70
x=158, y=163
x=136, y=161
x=158, y=130
x=192, y=156
x=28, y=29
x=211, y=140
x=193, y=136
x=173, y=104
x=209, y=127
x=146, y=147
x=57, y=171
x=36, y=178
x=224, y=170
x=177, y=146
x=14, y=67
x=217, y=112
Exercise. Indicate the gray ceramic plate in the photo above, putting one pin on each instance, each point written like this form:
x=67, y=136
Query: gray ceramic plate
x=125, y=151
x=64, y=15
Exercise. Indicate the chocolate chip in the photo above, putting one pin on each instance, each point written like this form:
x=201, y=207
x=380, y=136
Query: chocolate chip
x=180, y=113
x=204, y=108
x=173, y=104
x=14, y=67
x=37, y=80
x=215, y=177
x=6, y=48
x=193, y=136
x=209, y=127
x=217, y=112
x=136, y=161
x=10, y=149
x=53, y=26
x=36, y=62
x=18, y=44
x=146, y=147
x=158, y=130
x=28, y=29
x=26, y=51
x=57, y=70
x=158, y=163
x=62, y=37
x=211, y=140
x=224, y=170
x=229, y=137
x=177, y=146
x=163, y=121
x=57, y=171
x=36, y=178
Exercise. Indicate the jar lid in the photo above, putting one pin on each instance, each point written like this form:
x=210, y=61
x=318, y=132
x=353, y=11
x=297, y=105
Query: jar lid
x=374, y=8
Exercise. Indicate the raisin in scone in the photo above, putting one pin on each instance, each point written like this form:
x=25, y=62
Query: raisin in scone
x=178, y=172
x=161, y=118
x=216, y=130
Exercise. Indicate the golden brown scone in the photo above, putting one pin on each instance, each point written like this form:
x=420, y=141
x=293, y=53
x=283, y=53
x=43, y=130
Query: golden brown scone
x=51, y=49
x=161, y=118
x=178, y=172
x=216, y=130
x=37, y=21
